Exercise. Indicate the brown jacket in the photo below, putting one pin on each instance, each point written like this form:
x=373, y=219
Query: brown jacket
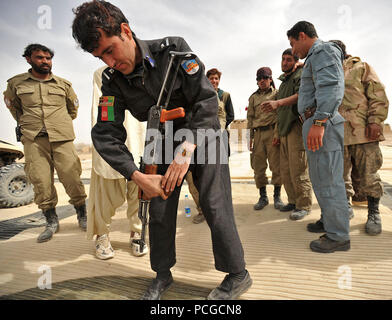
x=38, y=105
x=256, y=117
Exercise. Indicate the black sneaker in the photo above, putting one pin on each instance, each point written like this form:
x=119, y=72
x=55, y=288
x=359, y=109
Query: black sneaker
x=157, y=288
x=230, y=288
x=327, y=245
x=288, y=207
x=316, y=227
x=298, y=214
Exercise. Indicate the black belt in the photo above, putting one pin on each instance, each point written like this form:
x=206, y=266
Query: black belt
x=309, y=112
x=263, y=128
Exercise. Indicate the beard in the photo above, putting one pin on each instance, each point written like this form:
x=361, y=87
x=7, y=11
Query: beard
x=40, y=68
x=288, y=69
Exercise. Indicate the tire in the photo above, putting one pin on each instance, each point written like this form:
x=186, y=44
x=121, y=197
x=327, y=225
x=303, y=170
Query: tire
x=15, y=189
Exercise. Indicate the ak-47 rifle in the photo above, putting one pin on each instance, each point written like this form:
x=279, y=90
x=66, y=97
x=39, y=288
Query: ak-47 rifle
x=157, y=116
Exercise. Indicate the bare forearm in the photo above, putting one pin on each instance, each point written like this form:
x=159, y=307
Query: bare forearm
x=137, y=176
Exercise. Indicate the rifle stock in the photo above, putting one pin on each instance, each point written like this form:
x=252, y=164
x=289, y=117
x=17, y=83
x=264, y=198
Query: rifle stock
x=167, y=115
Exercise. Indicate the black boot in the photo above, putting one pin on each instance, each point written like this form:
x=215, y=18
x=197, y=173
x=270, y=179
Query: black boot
x=82, y=217
x=52, y=225
x=277, y=201
x=158, y=286
x=373, y=224
x=263, y=201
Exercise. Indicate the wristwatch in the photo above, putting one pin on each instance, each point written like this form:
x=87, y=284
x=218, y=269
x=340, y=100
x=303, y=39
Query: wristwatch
x=319, y=123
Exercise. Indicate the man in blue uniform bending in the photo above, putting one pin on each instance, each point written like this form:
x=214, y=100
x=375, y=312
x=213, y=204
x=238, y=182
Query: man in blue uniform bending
x=133, y=82
x=320, y=95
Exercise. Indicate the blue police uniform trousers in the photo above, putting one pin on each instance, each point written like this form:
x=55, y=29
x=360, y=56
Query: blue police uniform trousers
x=326, y=175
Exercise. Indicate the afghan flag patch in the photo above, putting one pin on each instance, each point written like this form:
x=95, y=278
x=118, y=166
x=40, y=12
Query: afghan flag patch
x=106, y=104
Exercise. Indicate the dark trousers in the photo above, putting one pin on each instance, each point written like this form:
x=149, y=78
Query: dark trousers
x=214, y=185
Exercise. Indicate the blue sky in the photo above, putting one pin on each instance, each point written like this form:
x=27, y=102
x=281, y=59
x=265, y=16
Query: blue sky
x=235, y=36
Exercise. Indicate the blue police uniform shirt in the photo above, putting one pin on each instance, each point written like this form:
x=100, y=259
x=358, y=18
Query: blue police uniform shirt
x=322, y=80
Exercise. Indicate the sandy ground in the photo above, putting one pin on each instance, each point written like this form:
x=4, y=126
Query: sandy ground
x=276, y=249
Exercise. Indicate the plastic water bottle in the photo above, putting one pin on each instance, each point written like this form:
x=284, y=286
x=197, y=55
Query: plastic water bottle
x=187, y=207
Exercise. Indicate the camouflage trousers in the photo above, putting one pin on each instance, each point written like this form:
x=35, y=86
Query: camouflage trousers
x=356, y=182
x=294, y=169
x=42, y=157
x=367, y=160
x=264, y=151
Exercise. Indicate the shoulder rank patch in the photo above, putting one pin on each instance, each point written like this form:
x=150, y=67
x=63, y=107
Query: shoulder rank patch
x=106, y=104
x=190, y=66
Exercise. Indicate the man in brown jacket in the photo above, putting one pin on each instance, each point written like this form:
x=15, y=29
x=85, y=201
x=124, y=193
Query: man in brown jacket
x=264, y=144
x=44, y=106
x=365, y=107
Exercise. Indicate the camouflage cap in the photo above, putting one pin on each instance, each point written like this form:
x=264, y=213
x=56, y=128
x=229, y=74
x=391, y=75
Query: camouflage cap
x=263, y=72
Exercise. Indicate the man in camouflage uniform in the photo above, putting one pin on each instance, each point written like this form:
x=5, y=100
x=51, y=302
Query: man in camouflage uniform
x=365, y=107
x=264, y=145
x=44, y=105
x=293, y=162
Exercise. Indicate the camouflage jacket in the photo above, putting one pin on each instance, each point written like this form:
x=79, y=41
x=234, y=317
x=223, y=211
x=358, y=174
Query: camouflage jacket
x=364, y=101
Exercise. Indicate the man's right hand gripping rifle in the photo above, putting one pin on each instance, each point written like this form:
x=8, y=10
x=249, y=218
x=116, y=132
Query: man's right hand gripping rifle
x=149, y=182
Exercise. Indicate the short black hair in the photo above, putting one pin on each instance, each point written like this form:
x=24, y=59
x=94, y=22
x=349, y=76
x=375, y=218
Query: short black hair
x=341, y=46
x=36, y=47
x=92, y=15
x=302, y=26
x=290, y=53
